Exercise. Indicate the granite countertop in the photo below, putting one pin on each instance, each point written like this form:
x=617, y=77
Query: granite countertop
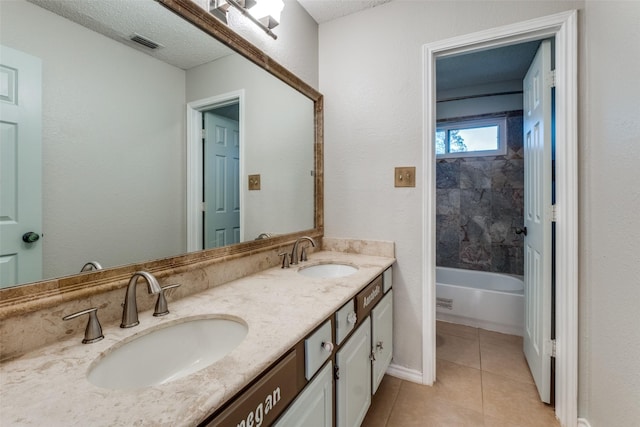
x=49, y=386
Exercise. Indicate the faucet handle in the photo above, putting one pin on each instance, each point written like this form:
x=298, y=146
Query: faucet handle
x=93, y=331
x=285, y=259
x=161, y=304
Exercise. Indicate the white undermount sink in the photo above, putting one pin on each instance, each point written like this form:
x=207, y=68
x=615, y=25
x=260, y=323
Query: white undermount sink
x=166, y=354
x=328, y=270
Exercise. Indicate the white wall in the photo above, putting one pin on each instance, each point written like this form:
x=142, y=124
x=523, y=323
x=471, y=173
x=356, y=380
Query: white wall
x=113, y=156
x=609, y=205
x=278, y=143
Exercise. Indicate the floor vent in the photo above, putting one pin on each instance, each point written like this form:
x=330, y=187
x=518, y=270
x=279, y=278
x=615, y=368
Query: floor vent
x=145, y=41
x=444, y=303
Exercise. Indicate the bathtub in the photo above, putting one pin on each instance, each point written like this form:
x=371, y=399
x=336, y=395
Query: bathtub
x=491, y=301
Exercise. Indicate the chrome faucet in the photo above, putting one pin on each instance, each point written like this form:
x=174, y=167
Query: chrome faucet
x=303, y=255
x=130, y=311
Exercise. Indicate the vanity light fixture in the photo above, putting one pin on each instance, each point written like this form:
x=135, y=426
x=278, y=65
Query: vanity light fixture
x=264, y=13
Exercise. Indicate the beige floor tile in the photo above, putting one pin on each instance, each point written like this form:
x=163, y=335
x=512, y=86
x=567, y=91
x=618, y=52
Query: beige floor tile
x=382, y=402
x=458, y=384
x=506, y=360
x=501, y=395
x=412, y=409
x=457, y=330
x=455, y=383
x=458, y=350
x=496, y=338
x=513, y=403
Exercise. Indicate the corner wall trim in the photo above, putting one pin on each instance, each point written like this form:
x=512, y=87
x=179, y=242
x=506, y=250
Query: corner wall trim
x=404, y=373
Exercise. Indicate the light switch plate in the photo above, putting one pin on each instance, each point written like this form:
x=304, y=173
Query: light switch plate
x=254, y=182
x=405, y=176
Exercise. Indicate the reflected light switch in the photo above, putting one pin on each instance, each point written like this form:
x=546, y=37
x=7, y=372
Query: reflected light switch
x=405, y=176
x=254, y=182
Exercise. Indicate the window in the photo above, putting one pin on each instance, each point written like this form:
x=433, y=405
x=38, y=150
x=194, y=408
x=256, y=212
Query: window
x=471, y=138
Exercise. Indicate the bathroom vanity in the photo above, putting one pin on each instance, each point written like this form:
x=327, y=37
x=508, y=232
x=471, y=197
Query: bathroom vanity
x=362, y=330
x=315, y=351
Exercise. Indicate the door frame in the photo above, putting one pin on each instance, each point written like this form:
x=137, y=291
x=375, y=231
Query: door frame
x=562, y=26
x=195, y=155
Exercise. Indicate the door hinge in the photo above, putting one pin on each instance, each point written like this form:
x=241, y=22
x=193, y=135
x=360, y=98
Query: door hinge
x=554, y=213
x=202, y=133
x=552, y=78
x=336, y=372
x=550, y=349
x=203, y=207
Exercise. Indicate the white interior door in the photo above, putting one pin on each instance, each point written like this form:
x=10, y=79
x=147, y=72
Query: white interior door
x=20, y=167
x=537, y=206
x=221, y=181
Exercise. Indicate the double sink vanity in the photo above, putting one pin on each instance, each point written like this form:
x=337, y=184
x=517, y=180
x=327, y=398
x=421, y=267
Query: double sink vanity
x=310, y=342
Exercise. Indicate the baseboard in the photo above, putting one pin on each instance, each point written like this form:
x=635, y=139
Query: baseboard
x=404, y=373
x=583, y=422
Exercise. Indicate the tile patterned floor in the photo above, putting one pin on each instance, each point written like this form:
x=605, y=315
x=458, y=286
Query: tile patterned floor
x=482, y=380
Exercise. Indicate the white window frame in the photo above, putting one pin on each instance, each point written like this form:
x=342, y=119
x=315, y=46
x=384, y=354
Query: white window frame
x=500, y=121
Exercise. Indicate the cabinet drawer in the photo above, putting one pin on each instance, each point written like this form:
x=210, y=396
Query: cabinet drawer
x=263, y=402
x=315, y=352
x=369, y=297
x=345, y=321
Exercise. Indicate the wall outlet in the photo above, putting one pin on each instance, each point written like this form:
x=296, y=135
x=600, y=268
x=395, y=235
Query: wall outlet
x=254, y=182
x=405, y=176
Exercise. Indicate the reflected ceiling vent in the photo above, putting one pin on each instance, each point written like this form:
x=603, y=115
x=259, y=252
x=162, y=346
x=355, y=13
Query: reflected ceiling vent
x=148, y=43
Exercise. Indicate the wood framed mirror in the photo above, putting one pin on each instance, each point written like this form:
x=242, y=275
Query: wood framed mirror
x=41, y=293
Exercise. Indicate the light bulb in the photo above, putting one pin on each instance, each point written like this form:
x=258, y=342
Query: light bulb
x=268, y=12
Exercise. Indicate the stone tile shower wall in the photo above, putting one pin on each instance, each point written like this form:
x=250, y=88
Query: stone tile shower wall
x=480, y=202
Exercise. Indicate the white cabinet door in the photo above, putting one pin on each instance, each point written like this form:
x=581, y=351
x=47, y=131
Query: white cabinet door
x=382, y=338
x=314, y=406
x=353, y=384
x=221, y=181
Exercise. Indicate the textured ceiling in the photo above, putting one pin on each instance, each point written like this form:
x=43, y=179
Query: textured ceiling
x=185, y=46
x=327, y=10
x=485, y=67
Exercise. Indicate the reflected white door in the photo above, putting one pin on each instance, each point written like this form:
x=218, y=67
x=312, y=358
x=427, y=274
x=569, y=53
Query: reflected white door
x=221, y=181
x=537, y=206
x=20, y=167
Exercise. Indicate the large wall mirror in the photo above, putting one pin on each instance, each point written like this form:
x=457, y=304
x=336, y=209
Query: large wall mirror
x=132, y=167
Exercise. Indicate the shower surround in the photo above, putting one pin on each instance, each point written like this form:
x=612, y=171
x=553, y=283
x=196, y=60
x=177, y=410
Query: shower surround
x=480, y=203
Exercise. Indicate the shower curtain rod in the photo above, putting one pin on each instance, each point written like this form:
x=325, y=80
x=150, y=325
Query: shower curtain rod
x=460, y=98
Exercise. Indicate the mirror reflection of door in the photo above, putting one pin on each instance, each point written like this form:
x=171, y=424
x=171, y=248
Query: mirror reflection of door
x=20, y=167
x=221, y=176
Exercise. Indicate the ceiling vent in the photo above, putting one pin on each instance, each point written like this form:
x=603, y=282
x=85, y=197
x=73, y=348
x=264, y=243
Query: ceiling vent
x=141, y=40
